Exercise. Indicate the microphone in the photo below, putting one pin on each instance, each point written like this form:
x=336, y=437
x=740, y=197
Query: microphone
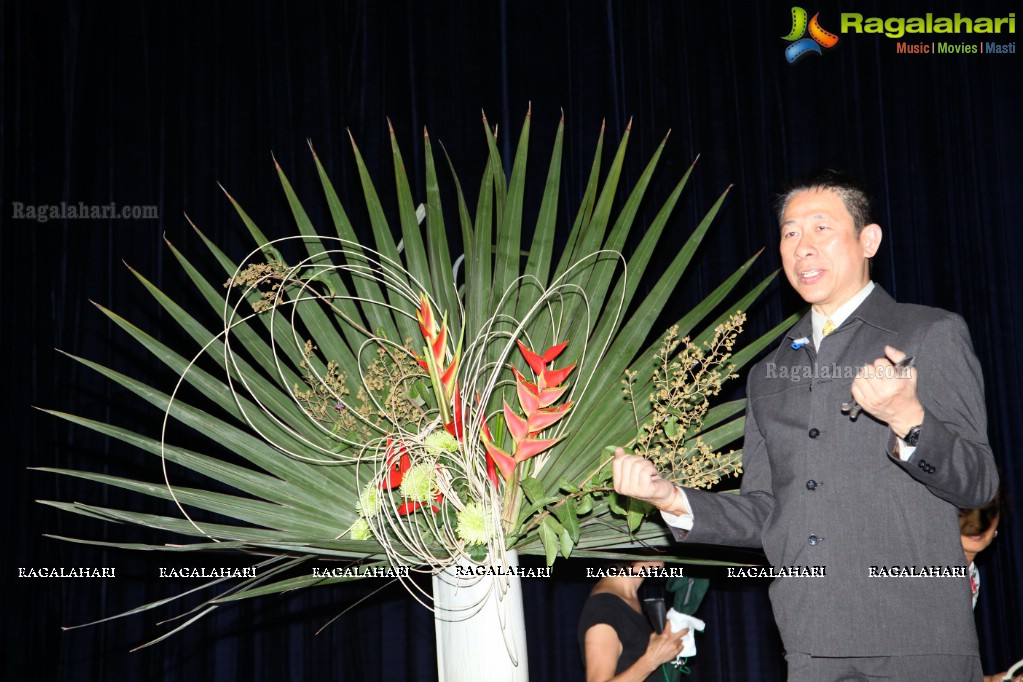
x=656, y=612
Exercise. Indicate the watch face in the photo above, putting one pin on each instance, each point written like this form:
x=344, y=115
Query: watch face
x=913, y=437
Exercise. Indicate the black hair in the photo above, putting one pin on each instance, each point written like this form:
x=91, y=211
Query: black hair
x=853, y=192
x=977, y=521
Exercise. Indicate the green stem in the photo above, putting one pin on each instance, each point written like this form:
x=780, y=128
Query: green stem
x=550, y=509
x=512, y=501
x=582, y=491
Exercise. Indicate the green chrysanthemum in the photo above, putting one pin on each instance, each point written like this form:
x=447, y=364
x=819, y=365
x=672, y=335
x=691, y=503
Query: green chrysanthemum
x=475, y=524
x=369, y=501
x=440, y=442
x=360, y=530
x=419, y=484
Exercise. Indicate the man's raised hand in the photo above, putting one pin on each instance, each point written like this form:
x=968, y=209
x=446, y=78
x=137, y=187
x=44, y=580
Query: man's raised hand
x=637, y=477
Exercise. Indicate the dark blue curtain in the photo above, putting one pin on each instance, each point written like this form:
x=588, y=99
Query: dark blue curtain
x=155, y=103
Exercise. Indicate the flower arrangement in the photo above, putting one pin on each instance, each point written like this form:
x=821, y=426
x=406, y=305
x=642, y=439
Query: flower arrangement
x=386, y=404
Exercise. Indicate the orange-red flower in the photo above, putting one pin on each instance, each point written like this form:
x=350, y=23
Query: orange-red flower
x=536, y=400
x=434, y=354
x=456, y=427
x=398, y=462
x=406, y=508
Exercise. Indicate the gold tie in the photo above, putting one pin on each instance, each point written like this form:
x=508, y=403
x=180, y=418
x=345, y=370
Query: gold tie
x=829, y=327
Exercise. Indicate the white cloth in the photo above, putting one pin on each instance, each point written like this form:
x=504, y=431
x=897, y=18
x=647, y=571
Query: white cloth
x=681, y=621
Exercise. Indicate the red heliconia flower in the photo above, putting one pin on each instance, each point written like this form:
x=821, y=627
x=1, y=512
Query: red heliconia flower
x=456, y=427
x=543, y=418
x=435, y=353
x=531, y=447
x=398, y=462
x=492, y=470
x=425, y=317
x=555, y=377
x=491, y=462
x=536, y=361
x=517, y=426
x=406, y=508
x=528, y=400
x=536, y=400
x=524, y=449
x=521, y=381
x=505, y=462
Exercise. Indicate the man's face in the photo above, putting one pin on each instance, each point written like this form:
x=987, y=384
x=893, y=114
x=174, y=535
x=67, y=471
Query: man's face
x=824, y=260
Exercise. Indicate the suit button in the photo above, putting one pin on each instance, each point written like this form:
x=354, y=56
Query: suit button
x=814, y=432
x=813, y=540
x=811, y=484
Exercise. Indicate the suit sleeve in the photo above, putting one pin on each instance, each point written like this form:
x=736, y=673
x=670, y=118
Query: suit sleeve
x=737, y=520
x=953, y=458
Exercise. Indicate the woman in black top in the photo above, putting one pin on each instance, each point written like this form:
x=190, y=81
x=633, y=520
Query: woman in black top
x=617, y=642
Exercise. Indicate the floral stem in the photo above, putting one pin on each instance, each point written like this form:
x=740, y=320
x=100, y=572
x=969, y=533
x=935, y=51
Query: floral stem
x=549, y=510
x=512, y=500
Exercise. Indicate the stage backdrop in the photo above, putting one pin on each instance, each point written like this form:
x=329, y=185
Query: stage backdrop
x=153, y=104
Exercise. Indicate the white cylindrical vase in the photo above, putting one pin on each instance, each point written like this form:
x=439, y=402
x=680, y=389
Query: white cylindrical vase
x=481, y=630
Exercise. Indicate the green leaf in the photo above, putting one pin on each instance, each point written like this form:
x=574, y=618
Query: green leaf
x=566, y=543
x=615, y=504
x=550, y=535
x=638, y=510
x=585, y=505
x=248, y=511
x=539, y=261
x=509, y=225
x=438, y=253
x=532, y=488
x=568, y=516
x=319, y=256
x=567, y=486
x=415, y=251
x=366, y=287
x=388, y=250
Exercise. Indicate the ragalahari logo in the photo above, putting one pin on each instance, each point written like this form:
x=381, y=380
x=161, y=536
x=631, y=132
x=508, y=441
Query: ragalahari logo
x=801, y=45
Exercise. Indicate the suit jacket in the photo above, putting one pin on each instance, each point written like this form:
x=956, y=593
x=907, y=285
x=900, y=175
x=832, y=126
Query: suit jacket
x=820, y=489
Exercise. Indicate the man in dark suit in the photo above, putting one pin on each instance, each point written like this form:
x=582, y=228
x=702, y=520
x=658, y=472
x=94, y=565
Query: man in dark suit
x=873, y=499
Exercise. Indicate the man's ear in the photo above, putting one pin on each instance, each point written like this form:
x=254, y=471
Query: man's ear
x=870, y=239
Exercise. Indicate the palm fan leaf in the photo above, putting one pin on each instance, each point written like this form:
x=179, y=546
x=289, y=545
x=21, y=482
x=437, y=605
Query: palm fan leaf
x=332, y=375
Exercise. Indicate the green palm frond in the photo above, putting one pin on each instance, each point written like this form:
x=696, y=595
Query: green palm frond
x=297, y=335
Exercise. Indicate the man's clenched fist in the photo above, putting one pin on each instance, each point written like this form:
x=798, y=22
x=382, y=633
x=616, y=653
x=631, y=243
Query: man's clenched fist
x=638, y=478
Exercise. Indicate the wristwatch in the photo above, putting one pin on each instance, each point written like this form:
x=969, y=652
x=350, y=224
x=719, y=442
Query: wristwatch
x=912, y=436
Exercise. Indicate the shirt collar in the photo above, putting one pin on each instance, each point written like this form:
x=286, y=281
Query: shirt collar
x=840, y=315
